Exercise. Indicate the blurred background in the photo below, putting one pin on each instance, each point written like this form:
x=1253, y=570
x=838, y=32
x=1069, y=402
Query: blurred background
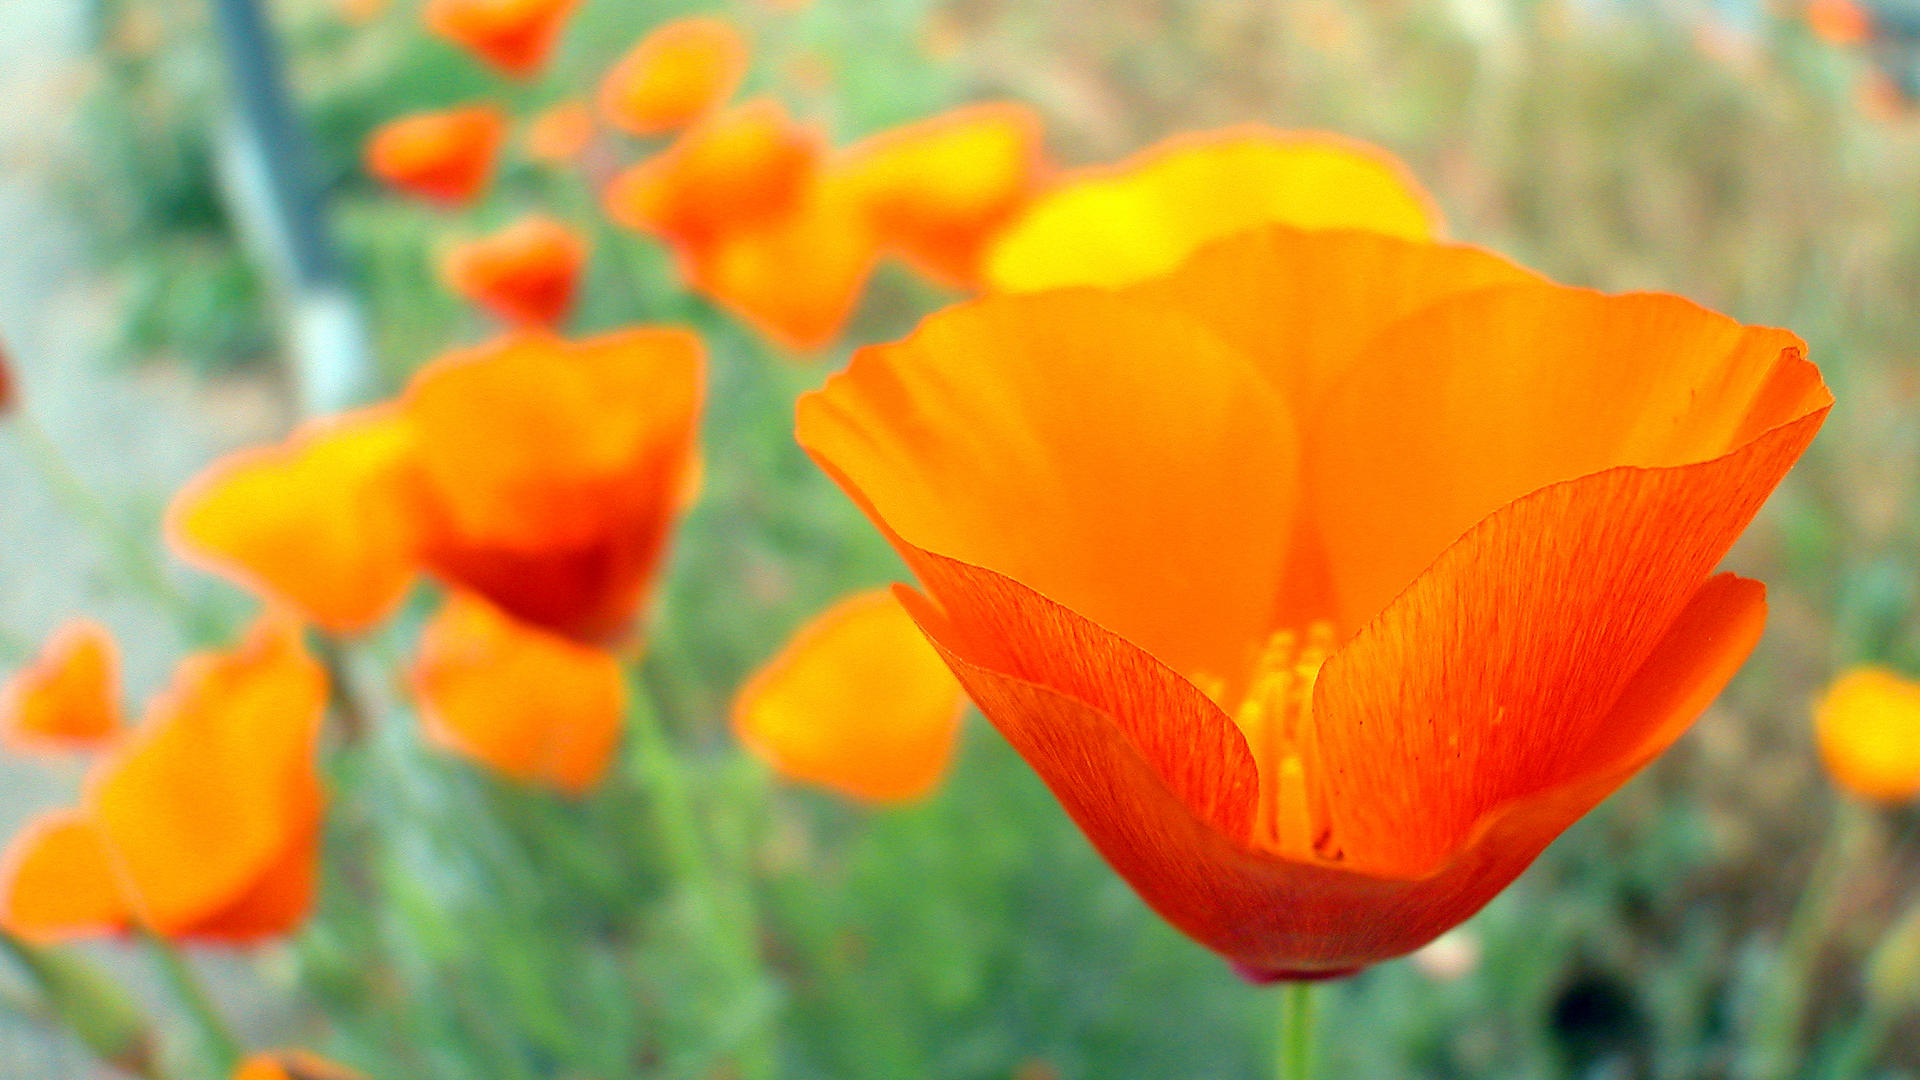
x=1761, y=158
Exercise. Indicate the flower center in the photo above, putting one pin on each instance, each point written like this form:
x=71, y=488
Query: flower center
x=1274, y=714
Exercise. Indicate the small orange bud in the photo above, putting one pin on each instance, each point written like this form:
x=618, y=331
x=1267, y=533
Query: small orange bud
x=446, y=156
x=1868, y=727
x=525, y=273
x=561, y=133
x=515, y=36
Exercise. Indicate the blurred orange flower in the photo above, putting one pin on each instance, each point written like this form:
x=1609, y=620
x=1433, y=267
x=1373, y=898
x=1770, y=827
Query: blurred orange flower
x=1839, y=22
x=940, y=190
x=68, y=698
x=534, y=707
x=548, y=473
x=1868, y=726
x=9, y=391
x=292, y=1065
x=1118, y=225
x=515, y=36
x=525, y=273
x=678, y=73
x=741, y=167
x=857, y=701
x=445, y=155
x=321, y=522
x=1328, y=578
x=560, y=133
x=203, y=824
x=360, y=12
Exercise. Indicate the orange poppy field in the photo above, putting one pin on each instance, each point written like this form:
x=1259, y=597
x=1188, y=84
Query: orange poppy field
x=960, y=540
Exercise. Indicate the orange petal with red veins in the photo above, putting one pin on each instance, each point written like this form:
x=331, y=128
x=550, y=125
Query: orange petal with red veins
x=1484, y=397
x=56, y=882
x=446, y=156
x=526, y=273
x=515, y=36
x=200, y=806
x=1145, y=216
x=857, y=702
x=1112, y=456
x=535, y=707
x=68, y=698
x=939, y=191
x=679, y=72
x=1868, y=725
x=322, y=522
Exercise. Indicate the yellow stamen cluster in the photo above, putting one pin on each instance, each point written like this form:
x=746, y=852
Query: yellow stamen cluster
x=1274, y=713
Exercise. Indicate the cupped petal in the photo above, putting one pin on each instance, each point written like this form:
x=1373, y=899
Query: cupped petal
x=1112, y=456
x=69, y=697
x=202, y=802
x=57, y=884
x=526, y=273
x=856, y=702
x=278, y=902
x=1144, y=217
x=683, y=69
x=940, y=190
x=515, y=36
x=1305, y=303
x=534, y=707
x=796, y=278
x=322, y=523
x=445, y=155
x=1271, y=915
x=1495, y=674
x=1481, y=398
x=1868, y=728
x=744, y=166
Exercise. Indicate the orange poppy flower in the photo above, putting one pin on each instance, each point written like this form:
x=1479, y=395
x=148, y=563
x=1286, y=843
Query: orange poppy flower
x=797, y=277
x=204, y=824
x=292, y=1065
x=548, y=473
x=1868, y=726
x=532, y=706
x=678, y=73
x=68, y=698
x=320, y=523
x=1326, y=579
x=1839, y=22
x=445, y=155
x=515, y=36
x=525, y=273
x=1118, y=225
x=857, y=702
x=561, y=133
x=941, y=189
x=743, y=167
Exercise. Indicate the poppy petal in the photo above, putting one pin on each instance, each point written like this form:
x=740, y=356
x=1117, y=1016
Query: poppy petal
x=446, y=155
x=680, y=71
x=533, y=706
x=1484, y=397
x=1114, y=457
x=1494, y=674
x=199, y=805
x=1142, y=218
x=1868, y=726
x=515, y=36
x=321, y=522
x=68, y=698
x=857, y=702
x=56, y=882
x=526, y=273
x=277, y=903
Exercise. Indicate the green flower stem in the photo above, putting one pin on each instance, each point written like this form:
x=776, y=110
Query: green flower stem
x=1294, y=1060
x=219, y=1049
x=75, y=994
x=728, y=912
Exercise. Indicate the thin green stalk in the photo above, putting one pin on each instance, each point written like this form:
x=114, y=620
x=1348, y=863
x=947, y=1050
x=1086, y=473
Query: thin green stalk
x=219, y=1050
x=137, y=561
x=1775, y=1047
x=75, y=994
x=1294, y=1060
x=728, y=913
